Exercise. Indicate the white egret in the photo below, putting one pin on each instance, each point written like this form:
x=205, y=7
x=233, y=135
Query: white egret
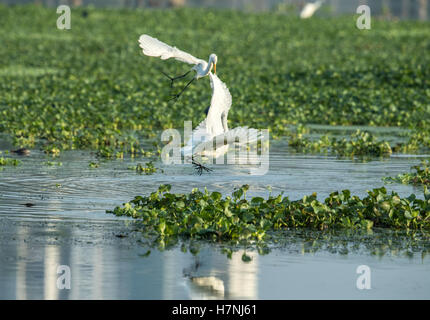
x=214, y=129
x=155, y=48
x=310, y=8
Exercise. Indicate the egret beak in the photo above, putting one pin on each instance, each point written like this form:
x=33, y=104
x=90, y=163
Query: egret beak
x=215, y=68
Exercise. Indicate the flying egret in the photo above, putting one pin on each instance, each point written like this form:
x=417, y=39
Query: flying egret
x=214, y=129
x=155, y=48
x=310, y=8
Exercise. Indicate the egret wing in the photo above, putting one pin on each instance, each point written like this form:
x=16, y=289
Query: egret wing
x=198, y=135
x=156, y=48
x=237, y=136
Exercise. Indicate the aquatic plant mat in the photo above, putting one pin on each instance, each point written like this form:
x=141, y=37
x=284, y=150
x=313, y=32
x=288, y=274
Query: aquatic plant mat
x=420, y=176
x=257, y=221
x=91, y=88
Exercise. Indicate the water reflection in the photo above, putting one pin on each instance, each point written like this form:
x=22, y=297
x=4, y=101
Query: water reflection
x=21, y=277
x=68, y=226
x=213, y=276
x=50, y=272
x=243, y=282
x=109, y=267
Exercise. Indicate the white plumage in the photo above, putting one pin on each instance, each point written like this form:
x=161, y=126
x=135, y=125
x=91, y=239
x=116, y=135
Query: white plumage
x=214, y=129
x=310, y=8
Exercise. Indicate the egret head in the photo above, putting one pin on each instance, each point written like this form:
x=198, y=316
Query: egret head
x=213, y=57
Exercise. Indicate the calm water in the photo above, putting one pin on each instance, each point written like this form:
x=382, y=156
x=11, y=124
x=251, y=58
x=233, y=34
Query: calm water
x=67, y=225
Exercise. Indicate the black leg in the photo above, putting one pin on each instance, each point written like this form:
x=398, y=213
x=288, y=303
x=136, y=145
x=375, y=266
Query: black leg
x=199, y=167
x=175, y=78
x=176, y=96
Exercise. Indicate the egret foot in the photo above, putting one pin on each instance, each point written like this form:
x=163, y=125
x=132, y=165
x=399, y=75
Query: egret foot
x=199, y=167
x=172, y=79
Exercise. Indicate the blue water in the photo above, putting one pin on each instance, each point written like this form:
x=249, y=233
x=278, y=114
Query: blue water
x=67, y=225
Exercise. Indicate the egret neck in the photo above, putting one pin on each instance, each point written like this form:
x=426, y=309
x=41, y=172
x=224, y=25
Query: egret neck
x=213, y=59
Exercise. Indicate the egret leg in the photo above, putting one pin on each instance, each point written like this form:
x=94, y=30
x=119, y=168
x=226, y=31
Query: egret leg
x=176, y=96
x=199, y=167
x=172, y=79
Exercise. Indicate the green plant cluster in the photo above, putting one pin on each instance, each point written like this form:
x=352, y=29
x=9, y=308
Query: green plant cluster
x=421, y=176
x=360, y=144
x=419, y=140
x=207, y=215
x=94, y=165
x=148, y=169
x=9, y=162
x=91, y=88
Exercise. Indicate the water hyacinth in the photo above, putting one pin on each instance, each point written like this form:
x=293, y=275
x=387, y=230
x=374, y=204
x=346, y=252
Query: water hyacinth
x=421, y=176
x=9, y=162
x=76, y=102
x=360, y=144
x=94, y=165
x=148, y=169
x=209, y=215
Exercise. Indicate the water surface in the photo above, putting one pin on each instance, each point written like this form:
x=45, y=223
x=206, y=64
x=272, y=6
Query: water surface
x=66, y=224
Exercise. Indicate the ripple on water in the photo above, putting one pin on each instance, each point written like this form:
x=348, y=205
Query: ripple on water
x=74, y=189
x=67, y=224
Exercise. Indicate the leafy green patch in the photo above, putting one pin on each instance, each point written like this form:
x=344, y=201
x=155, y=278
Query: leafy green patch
x=421, y=176
x=92, y=89
x=419, y=140
x=9, y=162
x=94, y=165
x=148, y=169
x=360, y=144
x=207, y=215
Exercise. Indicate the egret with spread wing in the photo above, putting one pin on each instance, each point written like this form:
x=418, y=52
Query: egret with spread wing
x=214, y=129
x=155, y=48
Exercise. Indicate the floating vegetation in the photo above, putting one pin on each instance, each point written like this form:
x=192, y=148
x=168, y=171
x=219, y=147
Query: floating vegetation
x=9, y=162
x=83, y=96
x=94, y=165
x=421, y=176
x=419, y=140
x=207, y=215
x=52, y=150
x=361, y=144
x=148, y=169
x=53, y=163
x=110, y=153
